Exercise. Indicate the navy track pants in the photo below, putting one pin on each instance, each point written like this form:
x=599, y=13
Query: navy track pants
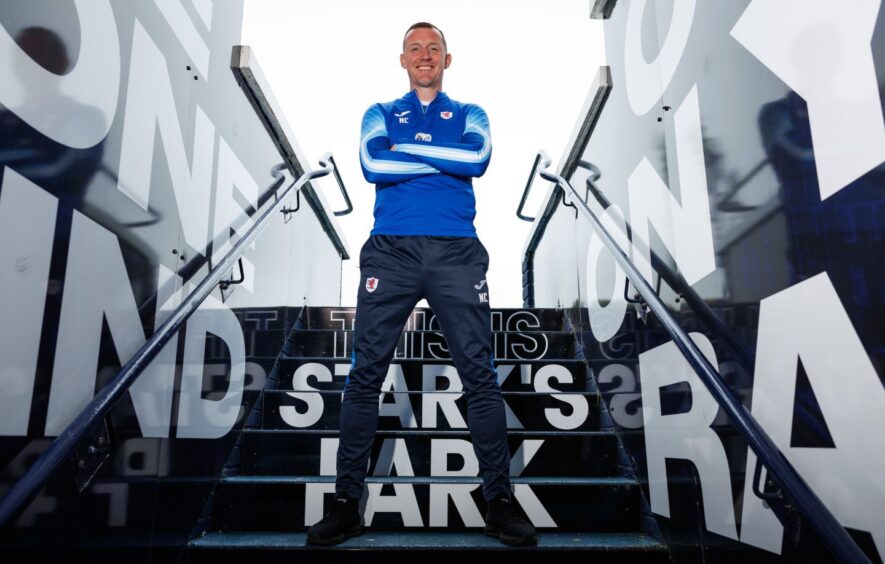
x=396, y=273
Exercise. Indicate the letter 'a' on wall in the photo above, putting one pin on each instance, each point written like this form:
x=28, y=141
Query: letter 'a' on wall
x=685, y=436
x=807, y=322
x=441, y=450
x=393, y=459
x=41, y=97
x=400, y=406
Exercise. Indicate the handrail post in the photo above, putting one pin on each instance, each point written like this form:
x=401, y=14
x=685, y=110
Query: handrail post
x=331, y=160
x=528, y=186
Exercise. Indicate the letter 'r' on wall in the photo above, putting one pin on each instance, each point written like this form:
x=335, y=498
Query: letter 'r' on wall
x=685, y=436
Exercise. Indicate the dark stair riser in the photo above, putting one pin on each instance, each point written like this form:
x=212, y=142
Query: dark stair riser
x=341, y=318
x=294, y=454
x=281, y=506
x=216, y=375
x=266, y=343
x=310, y=374
x=431, y=345
x=406, y=410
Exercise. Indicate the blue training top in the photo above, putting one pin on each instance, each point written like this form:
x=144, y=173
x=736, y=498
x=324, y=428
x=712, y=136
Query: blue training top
x=424, y=186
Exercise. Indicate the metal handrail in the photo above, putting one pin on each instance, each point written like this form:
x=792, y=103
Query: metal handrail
x=834, y=536
x=331, y=160
x=528, y=186
x=673, y=278
x=63, y=447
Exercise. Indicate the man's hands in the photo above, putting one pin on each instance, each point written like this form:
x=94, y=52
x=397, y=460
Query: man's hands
x=393, y=147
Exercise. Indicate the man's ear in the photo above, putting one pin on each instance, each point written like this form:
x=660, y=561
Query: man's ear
x=448, y=61
x=402, y=60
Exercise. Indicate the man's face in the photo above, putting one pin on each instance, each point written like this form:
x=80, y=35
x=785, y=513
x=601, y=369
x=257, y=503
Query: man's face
x=425, y=58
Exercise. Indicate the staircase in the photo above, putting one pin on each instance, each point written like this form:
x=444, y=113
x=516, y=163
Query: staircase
x=424, y=499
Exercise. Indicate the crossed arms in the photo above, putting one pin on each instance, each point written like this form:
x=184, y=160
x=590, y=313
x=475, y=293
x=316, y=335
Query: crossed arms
x=386, y=163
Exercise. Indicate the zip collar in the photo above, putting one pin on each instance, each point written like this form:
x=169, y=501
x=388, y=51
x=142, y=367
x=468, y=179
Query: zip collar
x=412, y=96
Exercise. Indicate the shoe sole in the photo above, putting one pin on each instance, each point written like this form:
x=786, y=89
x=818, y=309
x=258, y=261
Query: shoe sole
x=507, y=539
x=329, y=541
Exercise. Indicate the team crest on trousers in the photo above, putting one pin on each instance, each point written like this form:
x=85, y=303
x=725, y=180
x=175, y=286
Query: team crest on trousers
x=371, y=284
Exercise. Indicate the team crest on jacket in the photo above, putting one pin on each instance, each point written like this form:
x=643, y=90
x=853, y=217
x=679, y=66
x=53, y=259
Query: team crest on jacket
x=371, y=284
x=445, y=115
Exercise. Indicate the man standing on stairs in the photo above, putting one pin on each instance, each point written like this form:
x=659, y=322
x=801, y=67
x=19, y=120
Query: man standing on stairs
x=422, y=151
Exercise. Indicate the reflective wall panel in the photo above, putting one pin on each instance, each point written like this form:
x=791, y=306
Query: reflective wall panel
x=130, y=163
x=742, y=151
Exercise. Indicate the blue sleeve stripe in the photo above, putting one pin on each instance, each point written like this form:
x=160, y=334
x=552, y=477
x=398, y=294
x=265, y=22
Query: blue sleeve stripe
x=374, y=126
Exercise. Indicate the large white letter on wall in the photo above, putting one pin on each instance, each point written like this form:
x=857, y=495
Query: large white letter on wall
x=807, y=321
x=150, y=108
x=605, y=320
x=685, y=228
x=85, y=97
x=211, y=418
x=27, y=224
x=97, y=288
x=685, y=436
x=824, y=54
x=646, y=81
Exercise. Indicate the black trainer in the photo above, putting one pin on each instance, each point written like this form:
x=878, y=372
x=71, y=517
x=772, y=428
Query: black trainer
x=504, y=523
x=339, y=524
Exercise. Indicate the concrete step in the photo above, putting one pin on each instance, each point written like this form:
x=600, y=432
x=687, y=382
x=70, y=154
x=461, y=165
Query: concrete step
x=258, y=343
x=423, y=547
x=530, y=411
x=515, y=346
x=430, y=452
x=554, y=375
x=292, y=503
x=505, y=319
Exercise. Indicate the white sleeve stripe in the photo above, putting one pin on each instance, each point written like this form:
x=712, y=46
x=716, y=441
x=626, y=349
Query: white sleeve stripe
x=382, y=165
x=448, y=153
x=376, y=127
x=476, y=122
